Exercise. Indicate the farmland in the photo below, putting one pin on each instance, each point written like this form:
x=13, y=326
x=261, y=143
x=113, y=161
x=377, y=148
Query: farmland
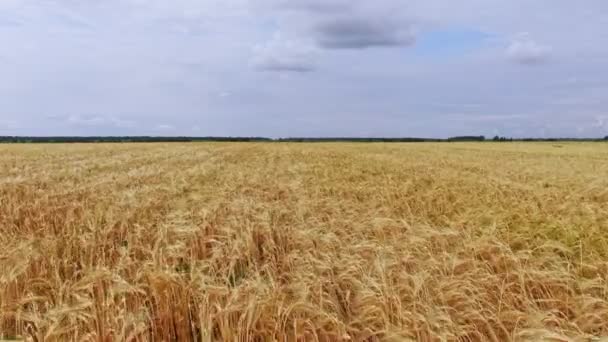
x=285, y=241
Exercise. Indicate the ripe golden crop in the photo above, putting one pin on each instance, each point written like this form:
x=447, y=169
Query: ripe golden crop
x=281, y=241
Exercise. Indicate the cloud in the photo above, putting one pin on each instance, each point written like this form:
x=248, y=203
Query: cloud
x=8, y=125
x=121, y=123
x=79, y=120
x=164, y=127
x=95, y=121
x=283, y=64
x=524, y=50
x=9, y=22
x=341, y=24
x=361, y=32
x=486, y=118
x=283, y=55
x=601, y=122
x=314, y=6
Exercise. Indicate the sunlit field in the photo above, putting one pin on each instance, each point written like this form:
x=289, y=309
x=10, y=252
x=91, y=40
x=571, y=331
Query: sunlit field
x=310, y=242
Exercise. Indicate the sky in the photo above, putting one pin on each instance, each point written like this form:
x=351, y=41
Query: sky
x=317, y=68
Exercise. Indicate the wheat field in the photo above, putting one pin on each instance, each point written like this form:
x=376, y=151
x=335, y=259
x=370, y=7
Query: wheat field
x=304, y=242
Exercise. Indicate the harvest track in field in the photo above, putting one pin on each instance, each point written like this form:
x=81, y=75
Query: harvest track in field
x=248, y=241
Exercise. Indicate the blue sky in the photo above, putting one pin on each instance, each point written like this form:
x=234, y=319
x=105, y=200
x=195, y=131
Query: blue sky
x=447, y=43
x=304, y=67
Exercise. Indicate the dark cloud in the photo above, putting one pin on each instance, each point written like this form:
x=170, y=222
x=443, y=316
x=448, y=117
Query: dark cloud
x=346, y=24
x=360, y=33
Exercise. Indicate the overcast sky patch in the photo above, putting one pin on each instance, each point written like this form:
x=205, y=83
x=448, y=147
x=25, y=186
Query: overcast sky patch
x=304, y=67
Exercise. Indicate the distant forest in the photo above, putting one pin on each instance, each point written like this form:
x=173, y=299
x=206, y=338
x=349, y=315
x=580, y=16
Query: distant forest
x=125, y=139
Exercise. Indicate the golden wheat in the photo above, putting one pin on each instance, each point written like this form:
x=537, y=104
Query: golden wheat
x=315, y=242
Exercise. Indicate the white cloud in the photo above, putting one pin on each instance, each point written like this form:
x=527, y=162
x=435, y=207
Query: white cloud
x=314, y=6
x=601, y=122
x=524, y=50
x=94, y=121
x=9, y=125
x=121, y=123
x=164, y=127
x=486, y=118
x=284, y=55
x=80, y=120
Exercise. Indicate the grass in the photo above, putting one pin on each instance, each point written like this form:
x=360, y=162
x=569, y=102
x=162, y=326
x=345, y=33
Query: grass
x=319, y=242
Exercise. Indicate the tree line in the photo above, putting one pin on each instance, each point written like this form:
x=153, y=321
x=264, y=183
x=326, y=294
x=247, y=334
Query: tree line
x=121, y=139
x=142, y=139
